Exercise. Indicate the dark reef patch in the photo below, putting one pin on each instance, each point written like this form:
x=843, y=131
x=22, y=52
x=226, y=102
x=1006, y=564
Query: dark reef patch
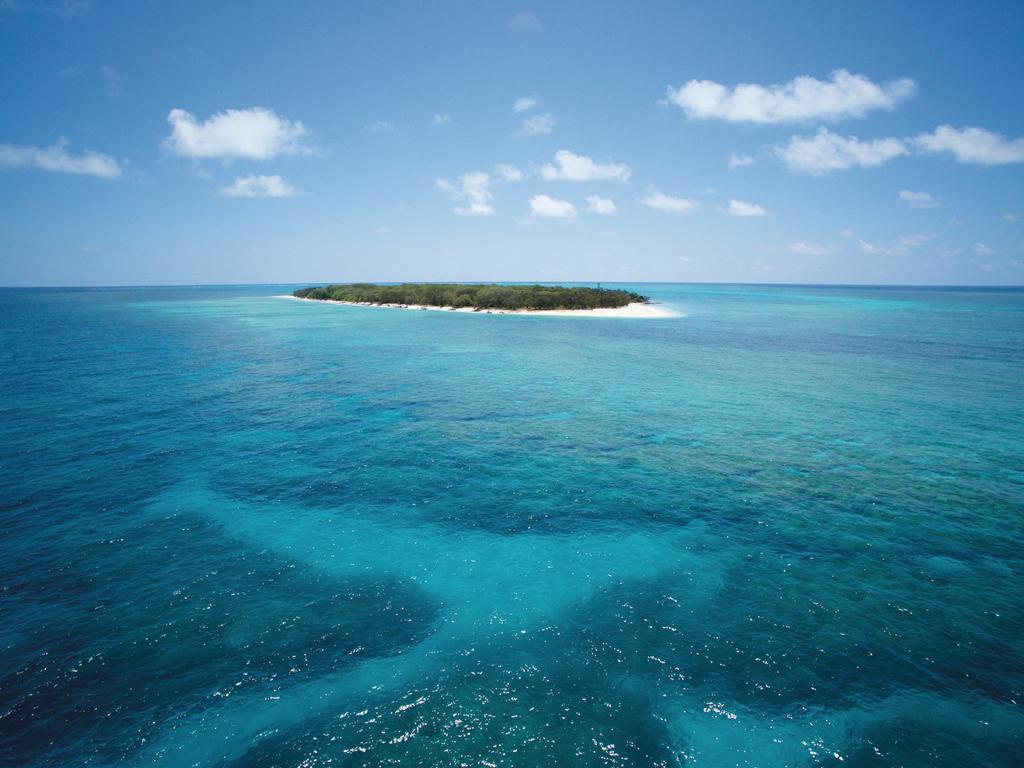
x=516, y=701
x=112, y=650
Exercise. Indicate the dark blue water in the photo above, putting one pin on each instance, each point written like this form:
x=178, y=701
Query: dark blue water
x=783, y=529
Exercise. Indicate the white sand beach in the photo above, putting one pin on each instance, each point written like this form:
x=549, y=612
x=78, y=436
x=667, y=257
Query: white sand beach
x=636, y=310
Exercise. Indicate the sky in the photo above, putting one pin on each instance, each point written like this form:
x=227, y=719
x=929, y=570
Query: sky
x=146, y=142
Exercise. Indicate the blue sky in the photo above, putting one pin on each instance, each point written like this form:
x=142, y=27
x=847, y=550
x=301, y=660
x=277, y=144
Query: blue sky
x=151, y=142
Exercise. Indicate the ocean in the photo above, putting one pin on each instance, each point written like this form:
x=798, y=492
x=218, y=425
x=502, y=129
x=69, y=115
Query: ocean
x=785, y=528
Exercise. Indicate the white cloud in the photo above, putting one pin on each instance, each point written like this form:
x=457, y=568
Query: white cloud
x=826, y=151
x=601, y=205
x=801, y=99
x=255, y=134
x=813, y=249
x=739, y=208
x=57, y=158
x=901, y=247
x=912, y=241
x=972, y=145
x=573, y=167
x=524, y=22
x=1012, y=216
x=474, y=189
x=525, y=103
x=846, y=233
x=546, y=207
x=980, y=249
x=259, y=186
x=919, y=199
x=508, y=172
x=441, y=118
x=662, y=202
x=67, y=9
x=538, y=125
x=112, y=79
x=381, y=127
x=740, y=161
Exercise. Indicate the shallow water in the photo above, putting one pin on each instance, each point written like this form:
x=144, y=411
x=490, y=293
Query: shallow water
x=784, y=529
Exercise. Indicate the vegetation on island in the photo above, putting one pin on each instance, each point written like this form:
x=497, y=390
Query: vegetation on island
x=478, y=296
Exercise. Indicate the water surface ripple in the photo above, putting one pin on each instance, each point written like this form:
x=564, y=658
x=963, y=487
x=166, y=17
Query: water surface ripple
x=782, y=529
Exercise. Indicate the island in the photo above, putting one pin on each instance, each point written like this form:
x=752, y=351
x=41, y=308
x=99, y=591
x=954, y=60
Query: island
x=487, y=297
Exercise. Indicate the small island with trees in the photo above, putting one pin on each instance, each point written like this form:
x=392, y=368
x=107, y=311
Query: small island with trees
x=487, y=297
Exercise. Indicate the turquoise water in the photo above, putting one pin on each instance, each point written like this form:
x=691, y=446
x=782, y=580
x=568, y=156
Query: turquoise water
x=784, y=529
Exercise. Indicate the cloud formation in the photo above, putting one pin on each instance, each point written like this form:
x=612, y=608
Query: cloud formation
x=919, y=199
x=901, y=247
x=524, y=23
x=57, y=158
x=258, y=186
x=538, y=125
x=508, y=172
x=972, y=145
x=525, y=103
x=253, y=134
x=112, y=79
x=603, y=206
x=801, y=99
x=813, y=249
x=441, y=118
x=66, y=9
x=743, y=210
x=572, y=167
x=380, y=127
x=740, y=161
x=668, y=204
x=912, y=241
x=546, y=207
x=826, y=151
x=472, y=189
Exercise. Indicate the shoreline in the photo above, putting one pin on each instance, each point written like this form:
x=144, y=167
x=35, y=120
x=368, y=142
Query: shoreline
x=635, y=310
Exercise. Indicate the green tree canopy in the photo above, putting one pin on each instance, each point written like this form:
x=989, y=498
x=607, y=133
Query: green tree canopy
x=478, y=296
